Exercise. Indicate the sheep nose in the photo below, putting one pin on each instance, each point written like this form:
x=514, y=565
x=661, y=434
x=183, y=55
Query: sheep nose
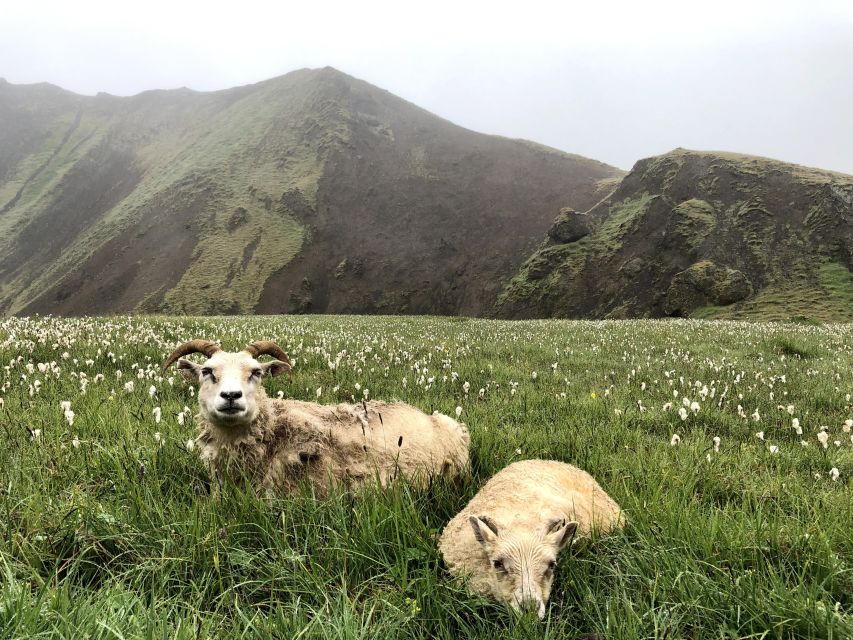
x=231, y=395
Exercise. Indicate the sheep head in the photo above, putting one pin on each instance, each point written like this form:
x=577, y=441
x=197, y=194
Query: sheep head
x=522, y=561
x=230, y=390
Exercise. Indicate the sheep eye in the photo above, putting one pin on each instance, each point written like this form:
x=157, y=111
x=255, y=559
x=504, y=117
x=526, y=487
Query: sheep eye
x=499, y=565
x=256, y=373
x=552, y=565
x=207, y=371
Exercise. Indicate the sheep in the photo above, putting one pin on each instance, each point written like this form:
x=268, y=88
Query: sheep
x=506, y=540
x=279, y=444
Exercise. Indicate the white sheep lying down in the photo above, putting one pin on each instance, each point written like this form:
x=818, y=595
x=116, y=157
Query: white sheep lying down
x=281, y=444
x=506, y=540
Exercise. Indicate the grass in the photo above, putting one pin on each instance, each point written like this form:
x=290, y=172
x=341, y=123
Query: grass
x=119, y=536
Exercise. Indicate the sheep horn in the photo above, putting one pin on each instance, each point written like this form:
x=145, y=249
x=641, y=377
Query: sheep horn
x=206, y=347
x=266, y=347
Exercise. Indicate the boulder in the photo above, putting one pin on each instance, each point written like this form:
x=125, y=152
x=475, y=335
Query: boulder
x=705, y=283
x=569, y=226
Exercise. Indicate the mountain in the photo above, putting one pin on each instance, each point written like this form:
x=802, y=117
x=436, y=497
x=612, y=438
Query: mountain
x=700, y=234
x=312, y=192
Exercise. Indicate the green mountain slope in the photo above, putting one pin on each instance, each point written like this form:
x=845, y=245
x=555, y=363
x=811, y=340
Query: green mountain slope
x=309, y=192
x=703, y=234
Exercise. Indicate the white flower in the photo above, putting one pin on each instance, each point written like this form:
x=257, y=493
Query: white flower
x=180, y=418
x=756, y=416
x=75, y=442
x=152, y=391
x=518, y=452
x=466, y=386
x=366, y=393
x=834, y=473
x=481, y=393
x=158, y=437
x=848, y=424
x=790, y=409
x=534, y=375
x=708, y=457
x=280, y=395
x=128, y=386
x=717, y=444
x=674, y=440
x=36, y=434
x=190, y=444
x=69, y=416
x=667, y=406
x=823, y=438
x=760, y=435
x=773, y=448
x=157, y=413
x=458, y=411
x=682, y=413
x=357, y=386
x=319, y=391
x=797, y=428
x=65, y=405
x=694, y=407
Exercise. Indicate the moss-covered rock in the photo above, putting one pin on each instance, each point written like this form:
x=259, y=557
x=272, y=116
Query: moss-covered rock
x=705, y=283
x=569, y=226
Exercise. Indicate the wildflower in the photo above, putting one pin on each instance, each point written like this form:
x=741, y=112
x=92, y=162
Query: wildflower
x=319, y=391
x=518, y=451
x=694, y=407
x=128, y=386
x=592, y=395
x=152, y=391
x=65, y=405
x=717, y=444
x=280, y=395
x=756, y=416
x=157, y=412
x=36, y=435
x=760, y=435
x=790, y=409
x=481, y=393
x=75, y=442
x=774, y=449
x=667, y=406
x=674, y=440
x=458, y=411
x=190, y=445
x=466, y=386
x=797, y=428
x=158, y=438
x=534, y=375
x=682, y=413
x=823, y=438
x=366, y=393
x=834, y=473
x=180, y=418
x=848, y=424
x=708, y=457
x=69, y=416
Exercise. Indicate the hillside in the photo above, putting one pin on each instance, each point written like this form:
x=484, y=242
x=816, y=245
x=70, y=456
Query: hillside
x=701, y=234
x=309, y=192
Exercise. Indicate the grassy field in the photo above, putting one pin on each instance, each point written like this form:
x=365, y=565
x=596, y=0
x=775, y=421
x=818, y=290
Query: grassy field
x=108, y=528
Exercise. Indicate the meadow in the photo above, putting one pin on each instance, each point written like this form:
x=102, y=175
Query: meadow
x=729, y=446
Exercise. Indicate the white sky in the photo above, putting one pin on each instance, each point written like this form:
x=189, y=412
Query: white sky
x=612, y=80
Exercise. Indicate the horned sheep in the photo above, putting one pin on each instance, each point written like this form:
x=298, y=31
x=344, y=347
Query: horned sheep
x=506, y=540
x=280, y=444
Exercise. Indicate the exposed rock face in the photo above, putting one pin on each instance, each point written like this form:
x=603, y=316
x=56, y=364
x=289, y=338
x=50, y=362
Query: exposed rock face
x=689, y=232
x=569, y=226
x=705, y=283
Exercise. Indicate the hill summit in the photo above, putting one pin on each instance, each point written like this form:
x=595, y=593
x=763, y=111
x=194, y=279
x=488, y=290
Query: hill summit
x=703, y=234
x=313, y=191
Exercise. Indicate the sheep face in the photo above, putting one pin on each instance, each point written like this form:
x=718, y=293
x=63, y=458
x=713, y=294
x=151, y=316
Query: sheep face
x=230, y=389
x=522, y=563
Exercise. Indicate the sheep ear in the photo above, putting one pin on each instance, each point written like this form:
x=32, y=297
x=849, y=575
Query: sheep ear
x=189, y=370
x=485, y=530
x=560, y=533
x=276, y=368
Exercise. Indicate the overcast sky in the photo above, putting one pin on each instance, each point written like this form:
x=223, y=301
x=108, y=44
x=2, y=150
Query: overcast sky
x=612, y=80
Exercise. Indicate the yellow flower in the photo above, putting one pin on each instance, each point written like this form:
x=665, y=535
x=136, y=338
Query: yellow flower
x=592, y=395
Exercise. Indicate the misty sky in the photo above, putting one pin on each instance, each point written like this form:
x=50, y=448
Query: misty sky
x=615, y=81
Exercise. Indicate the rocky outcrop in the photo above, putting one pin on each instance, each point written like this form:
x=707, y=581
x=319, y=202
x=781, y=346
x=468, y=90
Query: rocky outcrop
x=705, y=283
x=569, y=226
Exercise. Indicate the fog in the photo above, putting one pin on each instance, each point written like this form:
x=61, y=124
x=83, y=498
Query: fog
x=617, y=81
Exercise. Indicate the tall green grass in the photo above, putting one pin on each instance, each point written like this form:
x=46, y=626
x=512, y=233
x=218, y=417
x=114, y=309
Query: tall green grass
x=123, y=536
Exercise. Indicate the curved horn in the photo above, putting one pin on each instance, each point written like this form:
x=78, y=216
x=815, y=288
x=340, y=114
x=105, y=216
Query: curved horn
x=206, y=347
x=266, y=347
